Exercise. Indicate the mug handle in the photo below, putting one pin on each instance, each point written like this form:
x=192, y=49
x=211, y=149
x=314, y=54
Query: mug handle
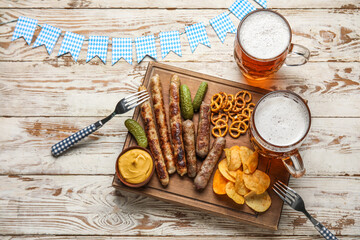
x=294, y=164
x=298, y=55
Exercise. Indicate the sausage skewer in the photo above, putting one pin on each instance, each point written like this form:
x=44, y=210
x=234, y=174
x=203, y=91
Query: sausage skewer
x=207, y=167
x=176, y=126
x=150, y=130
x=203, y=134
x=160, y=117
x=189, y=144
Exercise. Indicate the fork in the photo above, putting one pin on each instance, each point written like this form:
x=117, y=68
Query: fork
x=294, y=200
x=123, y=106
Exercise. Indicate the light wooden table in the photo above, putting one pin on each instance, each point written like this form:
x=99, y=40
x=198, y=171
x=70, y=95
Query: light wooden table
x=46, y=98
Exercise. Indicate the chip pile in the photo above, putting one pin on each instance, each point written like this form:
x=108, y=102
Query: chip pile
x=238, y=108
x=237, y=177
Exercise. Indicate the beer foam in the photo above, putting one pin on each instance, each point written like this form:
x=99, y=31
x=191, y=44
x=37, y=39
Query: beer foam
x=281, y=121
x=264, y=35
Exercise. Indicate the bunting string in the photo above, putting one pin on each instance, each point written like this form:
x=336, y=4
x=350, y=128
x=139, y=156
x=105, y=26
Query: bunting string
x=122, y=48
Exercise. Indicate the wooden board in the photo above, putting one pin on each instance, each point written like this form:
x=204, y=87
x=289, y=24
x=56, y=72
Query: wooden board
x=181, y=189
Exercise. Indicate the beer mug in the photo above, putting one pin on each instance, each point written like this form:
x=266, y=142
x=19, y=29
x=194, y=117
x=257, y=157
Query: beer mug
x=278, y=126
x=263, y=45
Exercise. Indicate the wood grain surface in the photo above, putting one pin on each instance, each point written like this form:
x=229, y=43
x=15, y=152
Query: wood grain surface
x=46, y=98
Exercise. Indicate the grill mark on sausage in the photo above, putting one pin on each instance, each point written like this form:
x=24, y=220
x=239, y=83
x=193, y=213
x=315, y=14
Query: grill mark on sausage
x=202, y=178
x=153, y=140
x=176, y=125
x=203, y=137
x=160, y=117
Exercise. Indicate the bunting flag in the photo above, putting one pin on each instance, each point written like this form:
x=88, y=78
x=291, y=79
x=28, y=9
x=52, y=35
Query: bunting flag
x=170, y=41
x=240, y=8
x=222, y=25
x=196, y=34
x=145, y=46
x=97, y=47
x=72, y=44
x=25, y=27
x=262, y=3
x=48, y=37
x=121, y=48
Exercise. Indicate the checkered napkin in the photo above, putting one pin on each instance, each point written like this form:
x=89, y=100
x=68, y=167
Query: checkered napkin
x=145, y=46
x=222, y=24
x=262, y=3
x=25, y=27
x=241, y=7
x=72, y=44
x=48, y=37
x=196, y=34
x=170, y=41
x=97, y=47
x=121, y=48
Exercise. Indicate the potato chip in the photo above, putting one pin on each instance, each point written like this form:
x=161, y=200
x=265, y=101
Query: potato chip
x=245, y=153
x=240, y=187
x=230, y=191
x=250, y=164
x=227, y=155
x=235, y=161
x=219, y=183
x=258, y=202
x=224, y=170
x=232, y=173
x=257, y=181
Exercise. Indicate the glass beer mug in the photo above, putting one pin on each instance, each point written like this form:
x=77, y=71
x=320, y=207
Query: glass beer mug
x=263, y=45
x=278, y=126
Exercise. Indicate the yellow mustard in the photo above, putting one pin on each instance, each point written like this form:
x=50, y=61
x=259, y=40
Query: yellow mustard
x=135, y=166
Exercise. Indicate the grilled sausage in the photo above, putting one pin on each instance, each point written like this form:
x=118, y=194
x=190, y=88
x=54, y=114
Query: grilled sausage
x=189, y=144
x=150, y=130
x=203, y=133
x=207, y=167
x=160, y=117
x=176, y=126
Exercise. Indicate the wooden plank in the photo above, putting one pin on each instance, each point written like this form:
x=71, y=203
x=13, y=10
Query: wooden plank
x=259, y=236
x=57, y=89
x=183, y=4
x=88, y=205
x=331, y=35
x=332, y=147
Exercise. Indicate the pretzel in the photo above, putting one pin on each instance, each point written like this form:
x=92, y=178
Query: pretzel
x=229, y=104
x=238, y=127
x=245, y=95
x=225, y=99
x=221, y=127
x=251, y=106
x=238, y=105
x=216, y=116
x=247, y=112
x=216, y=102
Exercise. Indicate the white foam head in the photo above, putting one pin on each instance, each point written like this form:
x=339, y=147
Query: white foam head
x=281, y=120
x=264, y=35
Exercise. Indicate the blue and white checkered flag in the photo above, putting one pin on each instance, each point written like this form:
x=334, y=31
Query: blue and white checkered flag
x=25, y=27
x=121, y=48
x=48, y=37
x=170, y=41
x=222, y=24
x=240, y=8
x=196, y=34
x=262, y=3
x=145, y=46
x=72, y=44
x=97, y=47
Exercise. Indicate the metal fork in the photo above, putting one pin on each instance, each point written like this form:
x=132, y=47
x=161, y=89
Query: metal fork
x=289, y=196
x=123, y=106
